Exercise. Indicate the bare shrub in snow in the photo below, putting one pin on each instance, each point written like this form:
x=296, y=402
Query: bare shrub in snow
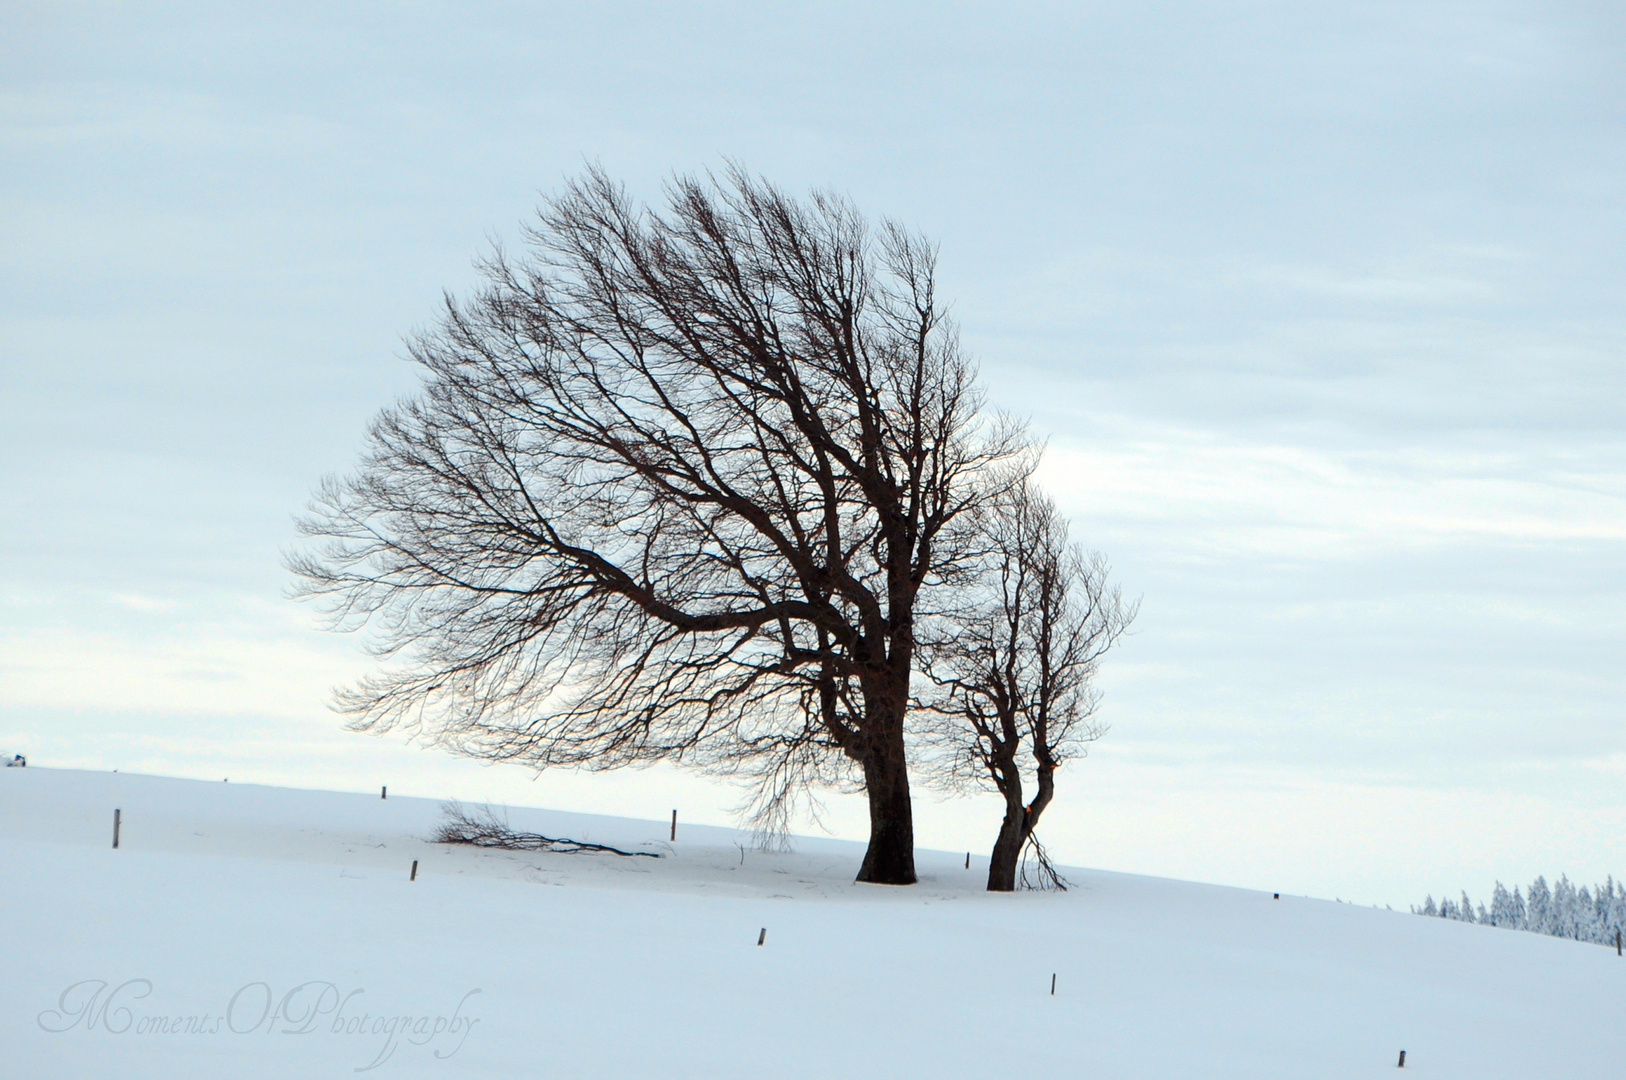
x=484, y=828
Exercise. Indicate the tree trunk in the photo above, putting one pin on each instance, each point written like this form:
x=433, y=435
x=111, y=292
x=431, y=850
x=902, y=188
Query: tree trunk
x=1019, y=823
x=1013, y=833
x=890, y=859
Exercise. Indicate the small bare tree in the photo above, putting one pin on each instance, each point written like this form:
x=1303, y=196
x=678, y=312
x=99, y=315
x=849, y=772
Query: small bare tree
x=672, y=490
x=1009, y=672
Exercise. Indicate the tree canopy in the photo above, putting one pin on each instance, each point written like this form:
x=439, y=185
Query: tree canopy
x=679, y=485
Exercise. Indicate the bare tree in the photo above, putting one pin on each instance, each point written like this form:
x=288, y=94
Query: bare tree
x=672, y=490
x=1009, y=672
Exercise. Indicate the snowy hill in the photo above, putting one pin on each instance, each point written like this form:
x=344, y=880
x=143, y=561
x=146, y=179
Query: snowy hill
x=247, y=931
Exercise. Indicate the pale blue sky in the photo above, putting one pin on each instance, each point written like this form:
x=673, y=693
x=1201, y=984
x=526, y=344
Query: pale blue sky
x=1320, y=308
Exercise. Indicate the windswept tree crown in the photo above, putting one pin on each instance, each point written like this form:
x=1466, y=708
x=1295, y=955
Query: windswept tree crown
x=673, y=488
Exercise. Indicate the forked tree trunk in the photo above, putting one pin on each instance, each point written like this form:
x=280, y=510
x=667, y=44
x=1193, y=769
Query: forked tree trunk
x=1019, y=823
x=890, y=858
x=1013, y=833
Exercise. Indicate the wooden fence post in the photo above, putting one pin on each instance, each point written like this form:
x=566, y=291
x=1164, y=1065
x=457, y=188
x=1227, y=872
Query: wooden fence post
x=414, y=876
x=115, y=830
x=674, y=824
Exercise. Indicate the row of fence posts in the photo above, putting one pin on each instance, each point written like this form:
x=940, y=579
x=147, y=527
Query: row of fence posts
x=762, y=934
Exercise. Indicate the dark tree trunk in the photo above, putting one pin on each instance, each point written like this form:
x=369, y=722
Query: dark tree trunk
x=1013, y=833
x=890, y=859
x=1019, y=823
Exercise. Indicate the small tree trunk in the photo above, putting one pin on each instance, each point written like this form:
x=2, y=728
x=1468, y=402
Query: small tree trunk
x=1008, y=848
x=1046, y=792
x=1013, y=831
x=1020, y=821
x=890, y=858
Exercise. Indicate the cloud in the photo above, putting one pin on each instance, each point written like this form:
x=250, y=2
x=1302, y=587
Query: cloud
x=136, y=602
x=1318, y=308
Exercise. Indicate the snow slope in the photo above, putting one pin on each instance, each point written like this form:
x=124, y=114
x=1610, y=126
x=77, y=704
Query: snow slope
x=244, y=931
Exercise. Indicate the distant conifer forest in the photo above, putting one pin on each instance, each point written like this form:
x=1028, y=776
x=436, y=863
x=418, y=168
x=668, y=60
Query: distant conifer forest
x=1596, y=915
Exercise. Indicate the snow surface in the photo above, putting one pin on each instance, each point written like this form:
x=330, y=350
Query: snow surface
x=226, y=903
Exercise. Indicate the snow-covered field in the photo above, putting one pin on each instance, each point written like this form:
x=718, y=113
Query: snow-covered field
x=244, y=931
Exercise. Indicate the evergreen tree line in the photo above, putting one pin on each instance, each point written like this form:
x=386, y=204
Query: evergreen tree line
x=1594, y=915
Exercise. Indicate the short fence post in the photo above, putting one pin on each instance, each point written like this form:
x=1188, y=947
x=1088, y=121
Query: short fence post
x=115, y=830
x=1402, y=1064
x=762, y=936
x=384, y=792
x=674, y=824
x=414, y=876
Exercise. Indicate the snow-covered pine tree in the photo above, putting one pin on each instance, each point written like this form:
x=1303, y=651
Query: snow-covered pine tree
x=1501, y=910
x=1614, y=909
x=1538, y=907
x=1565, y=923
x=1586, y=916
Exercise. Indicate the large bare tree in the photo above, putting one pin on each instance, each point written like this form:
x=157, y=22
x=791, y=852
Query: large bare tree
x=1009, y=669
x=673, y=489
